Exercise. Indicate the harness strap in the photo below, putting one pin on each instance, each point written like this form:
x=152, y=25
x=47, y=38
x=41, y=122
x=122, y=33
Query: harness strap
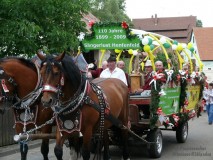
x=116, y=122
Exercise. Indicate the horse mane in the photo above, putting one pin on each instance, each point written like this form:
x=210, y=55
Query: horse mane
x=69, y=68
x=26, y=62
x=71, y=71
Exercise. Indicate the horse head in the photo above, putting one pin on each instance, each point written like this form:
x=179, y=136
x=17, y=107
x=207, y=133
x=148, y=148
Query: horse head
x=55, y=72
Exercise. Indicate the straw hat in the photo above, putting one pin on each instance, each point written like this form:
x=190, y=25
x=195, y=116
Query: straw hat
x=148, y=63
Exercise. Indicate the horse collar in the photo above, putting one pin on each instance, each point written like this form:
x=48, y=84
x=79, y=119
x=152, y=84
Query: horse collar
x=74, y=103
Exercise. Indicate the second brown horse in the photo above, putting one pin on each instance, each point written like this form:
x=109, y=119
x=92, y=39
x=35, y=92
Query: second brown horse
x=19, y=78
x=67, y=91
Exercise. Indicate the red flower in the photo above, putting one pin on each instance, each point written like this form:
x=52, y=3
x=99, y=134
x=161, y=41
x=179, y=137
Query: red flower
x=154, y=77
x=167, y=121
x=203, y=102
x=188, y=79
x=159, y=111
x=178, y=77
x=107, y=111
x=91, y=23
x=175, y=117
x=124, y=25
x=186, y=102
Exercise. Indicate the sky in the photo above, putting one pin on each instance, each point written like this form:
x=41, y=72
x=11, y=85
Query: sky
x=202, y=9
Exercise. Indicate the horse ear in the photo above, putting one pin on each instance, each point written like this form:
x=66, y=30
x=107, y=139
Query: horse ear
x=40, y=56
x=60, y=57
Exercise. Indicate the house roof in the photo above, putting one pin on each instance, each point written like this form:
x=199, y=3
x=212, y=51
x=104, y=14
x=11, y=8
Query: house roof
x=87, y=18
x=204, y=41
x=177, y=28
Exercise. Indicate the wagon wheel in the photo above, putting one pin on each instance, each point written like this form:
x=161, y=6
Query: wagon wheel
x=182, y=132
x=155, y=149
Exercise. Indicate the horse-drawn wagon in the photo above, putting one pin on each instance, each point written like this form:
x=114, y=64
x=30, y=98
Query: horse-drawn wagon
x=81, y=108
x=176, y=92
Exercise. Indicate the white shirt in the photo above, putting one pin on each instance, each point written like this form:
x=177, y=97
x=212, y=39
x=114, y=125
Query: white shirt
x=209, y=96
x=117, y=73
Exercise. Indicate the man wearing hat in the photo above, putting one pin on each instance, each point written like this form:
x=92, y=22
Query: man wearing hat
x=112, y=71
x=147, y=86
x=147, y=77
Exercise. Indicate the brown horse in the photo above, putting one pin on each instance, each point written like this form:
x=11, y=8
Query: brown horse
x=19, y=84
x=80, y=105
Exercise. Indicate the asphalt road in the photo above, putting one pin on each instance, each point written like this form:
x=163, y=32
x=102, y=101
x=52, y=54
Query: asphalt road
x=199, y=146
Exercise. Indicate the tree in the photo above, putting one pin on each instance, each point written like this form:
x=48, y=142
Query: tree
x=110, y=10
x=199, y=23
x=51, y=25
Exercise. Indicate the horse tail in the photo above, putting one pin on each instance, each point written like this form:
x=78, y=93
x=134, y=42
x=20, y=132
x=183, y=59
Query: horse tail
x=76, y=144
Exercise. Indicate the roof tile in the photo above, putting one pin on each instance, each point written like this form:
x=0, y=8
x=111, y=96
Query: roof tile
x=204, y=41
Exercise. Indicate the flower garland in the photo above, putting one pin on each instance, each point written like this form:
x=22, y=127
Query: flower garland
x=173, y=120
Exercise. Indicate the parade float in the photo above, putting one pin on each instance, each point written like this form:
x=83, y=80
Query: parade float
x=176, y=94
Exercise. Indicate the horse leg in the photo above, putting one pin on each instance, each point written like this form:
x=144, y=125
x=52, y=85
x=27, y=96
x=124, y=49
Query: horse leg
x=45, y=142
x=58, y=150
x=106, y=155
x=86, y=143
x=23, y=150
x=45, y=148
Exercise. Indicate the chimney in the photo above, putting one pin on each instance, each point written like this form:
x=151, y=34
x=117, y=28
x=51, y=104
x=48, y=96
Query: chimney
x=156, y=19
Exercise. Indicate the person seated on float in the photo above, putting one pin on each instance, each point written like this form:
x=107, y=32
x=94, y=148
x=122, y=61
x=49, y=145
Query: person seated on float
x=160, y=68
x=147, y=78
x=185, y=67
x=159, y=65
x=112, y=71
x=96, y=73
x=121, y=65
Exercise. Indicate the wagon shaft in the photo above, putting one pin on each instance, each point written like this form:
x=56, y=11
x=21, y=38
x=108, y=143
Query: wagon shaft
x=27, y=137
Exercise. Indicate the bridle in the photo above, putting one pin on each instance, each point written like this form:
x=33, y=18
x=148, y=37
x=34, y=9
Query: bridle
x=4, y=96
x=50, y=88
x=61, y=106
x=13, y=100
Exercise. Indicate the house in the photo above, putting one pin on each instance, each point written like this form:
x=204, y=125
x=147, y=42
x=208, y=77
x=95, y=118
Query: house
x=176, y=28
x=202, y=38
x=88, y=19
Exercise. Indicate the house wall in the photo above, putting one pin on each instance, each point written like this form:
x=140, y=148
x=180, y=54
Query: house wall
x=207, y=65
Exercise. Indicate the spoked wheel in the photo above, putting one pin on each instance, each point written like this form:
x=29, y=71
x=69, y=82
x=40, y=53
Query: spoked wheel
x=155, y=149
x=182, y=132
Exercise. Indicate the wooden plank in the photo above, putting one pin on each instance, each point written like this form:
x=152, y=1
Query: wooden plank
x=6, y=129
x=133, y=100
